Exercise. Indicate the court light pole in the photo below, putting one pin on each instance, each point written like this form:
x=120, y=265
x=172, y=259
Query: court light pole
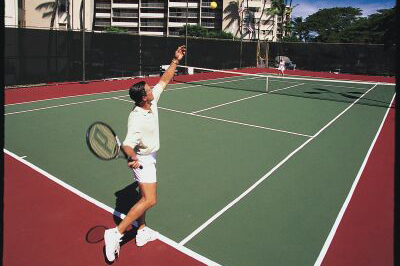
x=83, y=43
x=186, y=31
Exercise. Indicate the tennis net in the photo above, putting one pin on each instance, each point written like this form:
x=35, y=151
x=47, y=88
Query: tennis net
x=369, y=93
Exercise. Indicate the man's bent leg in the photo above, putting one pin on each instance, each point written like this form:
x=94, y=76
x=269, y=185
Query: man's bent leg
x=148, y=200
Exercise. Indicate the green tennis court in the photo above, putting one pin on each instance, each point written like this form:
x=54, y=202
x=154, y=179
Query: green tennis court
x=245, y=177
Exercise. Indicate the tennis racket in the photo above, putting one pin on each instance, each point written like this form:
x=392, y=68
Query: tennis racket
x=104, y=143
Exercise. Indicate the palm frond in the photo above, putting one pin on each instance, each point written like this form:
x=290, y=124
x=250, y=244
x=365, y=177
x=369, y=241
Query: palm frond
x=47, y=5
x=48, y=14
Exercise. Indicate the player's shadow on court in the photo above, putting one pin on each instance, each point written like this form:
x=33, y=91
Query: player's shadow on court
x=126, y=198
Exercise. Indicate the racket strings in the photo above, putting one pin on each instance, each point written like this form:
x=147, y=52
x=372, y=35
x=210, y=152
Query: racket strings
x=103, y=142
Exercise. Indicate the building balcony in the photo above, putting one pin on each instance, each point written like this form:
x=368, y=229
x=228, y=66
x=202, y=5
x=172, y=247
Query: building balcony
x=180, y=24
x=152, y=15
x=152, y=5
x=125, y=24
x=103, y=15
x=158, y=33
x=125, y=14
x=183, y=14
x=152, y=24
x=174, y=33
x=102, y=23
x=103, y=5
x=209, y=25
x=125, y=5
x=208, y=15
x=183, y=4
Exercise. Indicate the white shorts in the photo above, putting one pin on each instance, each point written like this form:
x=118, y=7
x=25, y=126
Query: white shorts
x=281, y=68
x=148, y=173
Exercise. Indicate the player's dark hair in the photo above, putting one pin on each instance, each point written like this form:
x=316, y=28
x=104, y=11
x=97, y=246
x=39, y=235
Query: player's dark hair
x=137, y=92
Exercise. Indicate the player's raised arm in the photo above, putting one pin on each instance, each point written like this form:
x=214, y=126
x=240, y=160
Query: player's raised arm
x=170, y=72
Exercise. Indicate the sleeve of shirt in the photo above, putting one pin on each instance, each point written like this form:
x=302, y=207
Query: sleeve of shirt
x=157, y=90
x=133, y=137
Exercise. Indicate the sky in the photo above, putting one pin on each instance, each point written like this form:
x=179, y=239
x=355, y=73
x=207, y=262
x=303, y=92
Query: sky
x=308, y=7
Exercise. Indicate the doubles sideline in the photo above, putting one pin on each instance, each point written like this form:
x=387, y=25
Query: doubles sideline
x=101, y=205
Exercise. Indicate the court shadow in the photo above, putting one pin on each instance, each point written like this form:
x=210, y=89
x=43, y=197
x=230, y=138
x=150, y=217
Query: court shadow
x=320, y=94
x=125, y=199
x=95, y=234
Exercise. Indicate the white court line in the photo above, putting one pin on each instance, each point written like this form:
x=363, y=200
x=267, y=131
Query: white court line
x=61, y=105
x=68, y=104
x=332, y=233
x=114, y=91
x=101, y=205
x=66, y=97
x=232, y=203
x=216, y=106
x=302, y=79
x=213, y=83
x=318, y=82
x=229, y=121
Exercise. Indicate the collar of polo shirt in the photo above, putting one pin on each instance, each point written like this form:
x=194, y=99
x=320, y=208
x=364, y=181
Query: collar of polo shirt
x=141, y=110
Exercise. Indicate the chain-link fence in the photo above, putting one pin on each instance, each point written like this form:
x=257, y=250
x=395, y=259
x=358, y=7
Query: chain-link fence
x=35, y=56
x=367, y=59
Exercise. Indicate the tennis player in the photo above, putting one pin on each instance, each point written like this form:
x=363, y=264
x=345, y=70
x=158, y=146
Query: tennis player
x=141, y=145
x=281, y=68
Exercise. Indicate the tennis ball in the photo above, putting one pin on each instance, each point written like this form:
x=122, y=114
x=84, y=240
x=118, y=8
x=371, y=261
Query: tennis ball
x=213, y=5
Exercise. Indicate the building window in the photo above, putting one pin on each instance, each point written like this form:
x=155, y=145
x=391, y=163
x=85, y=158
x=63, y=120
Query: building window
x=63, y=5
x=21, y=4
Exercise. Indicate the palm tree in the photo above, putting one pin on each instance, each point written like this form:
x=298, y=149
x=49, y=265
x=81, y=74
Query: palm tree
x=233, y=15
x=52, y=9
x=288, y=25
x=278, y=8
x=248, y=20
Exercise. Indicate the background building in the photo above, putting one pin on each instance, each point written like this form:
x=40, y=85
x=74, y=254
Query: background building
x=56, y=14
x=243, y=18
x=14, y=13
x=156, y=17
x=246, y=18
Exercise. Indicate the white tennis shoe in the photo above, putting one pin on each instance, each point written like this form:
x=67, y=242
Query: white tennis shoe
x=111, y=239
x=145, y=235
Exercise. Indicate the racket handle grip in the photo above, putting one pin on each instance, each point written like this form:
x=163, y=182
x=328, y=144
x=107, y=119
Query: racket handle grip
x=131, y=160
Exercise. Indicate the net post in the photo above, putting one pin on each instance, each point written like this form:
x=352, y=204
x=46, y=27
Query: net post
x=266, y=85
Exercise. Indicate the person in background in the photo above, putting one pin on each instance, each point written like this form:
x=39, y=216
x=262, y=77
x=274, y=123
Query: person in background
x=281, y=68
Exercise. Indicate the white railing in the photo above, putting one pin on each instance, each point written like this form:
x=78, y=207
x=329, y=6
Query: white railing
x=182, y=14
x=103, y=5
x=125, y=14
x=208, y=14
x=152, y=24
x=102, y=23
x=208, y=24
x=152, y=5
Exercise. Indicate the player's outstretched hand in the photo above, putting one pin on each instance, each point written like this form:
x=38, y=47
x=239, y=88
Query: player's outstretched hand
x=180, y=52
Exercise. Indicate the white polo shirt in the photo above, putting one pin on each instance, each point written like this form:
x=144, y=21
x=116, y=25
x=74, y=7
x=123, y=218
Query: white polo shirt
x=143, y=128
